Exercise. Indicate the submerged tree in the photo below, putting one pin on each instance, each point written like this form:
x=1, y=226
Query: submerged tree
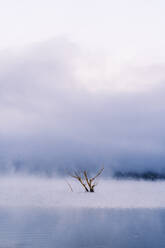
x=87, y=182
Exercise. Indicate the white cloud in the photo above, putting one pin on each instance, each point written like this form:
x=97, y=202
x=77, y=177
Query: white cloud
x=50, y=112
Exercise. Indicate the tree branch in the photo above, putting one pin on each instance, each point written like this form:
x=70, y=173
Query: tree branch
x=98, y=174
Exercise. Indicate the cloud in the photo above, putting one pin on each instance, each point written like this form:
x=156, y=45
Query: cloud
x=53, y=118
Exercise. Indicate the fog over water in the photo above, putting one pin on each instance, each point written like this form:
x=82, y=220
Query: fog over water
x=40, y=212
x=60, y=110
x=55, y=193
x=82, y=90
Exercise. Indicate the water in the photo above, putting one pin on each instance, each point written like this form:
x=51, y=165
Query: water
x=44, y=213
x=81, y=228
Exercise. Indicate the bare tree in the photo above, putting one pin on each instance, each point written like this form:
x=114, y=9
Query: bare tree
x=87, y=182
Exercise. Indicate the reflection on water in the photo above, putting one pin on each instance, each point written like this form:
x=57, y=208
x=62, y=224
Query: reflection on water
x=82, y=228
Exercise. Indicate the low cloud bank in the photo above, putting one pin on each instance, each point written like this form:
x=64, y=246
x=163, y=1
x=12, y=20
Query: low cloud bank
x=52, y=121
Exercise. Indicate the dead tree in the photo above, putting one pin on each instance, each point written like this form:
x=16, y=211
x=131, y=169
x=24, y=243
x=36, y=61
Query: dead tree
x=87, y=182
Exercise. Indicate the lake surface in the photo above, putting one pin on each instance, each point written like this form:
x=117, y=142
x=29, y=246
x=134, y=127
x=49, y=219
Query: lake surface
x=43, y=213
x=81, y=228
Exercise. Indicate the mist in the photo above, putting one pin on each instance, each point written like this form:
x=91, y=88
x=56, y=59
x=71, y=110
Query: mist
x=27, y=191
x=56, y=117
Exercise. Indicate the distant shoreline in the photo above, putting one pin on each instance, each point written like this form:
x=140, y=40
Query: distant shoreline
x=149, y=175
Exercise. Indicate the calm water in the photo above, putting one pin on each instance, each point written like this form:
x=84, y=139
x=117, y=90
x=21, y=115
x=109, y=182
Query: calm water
x=80, y=228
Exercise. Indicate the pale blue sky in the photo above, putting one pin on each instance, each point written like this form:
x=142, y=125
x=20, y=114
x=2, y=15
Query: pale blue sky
x=124, y=28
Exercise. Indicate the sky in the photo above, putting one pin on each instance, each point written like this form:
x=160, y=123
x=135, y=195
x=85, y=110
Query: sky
x=126, y=29
x=82, y=84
